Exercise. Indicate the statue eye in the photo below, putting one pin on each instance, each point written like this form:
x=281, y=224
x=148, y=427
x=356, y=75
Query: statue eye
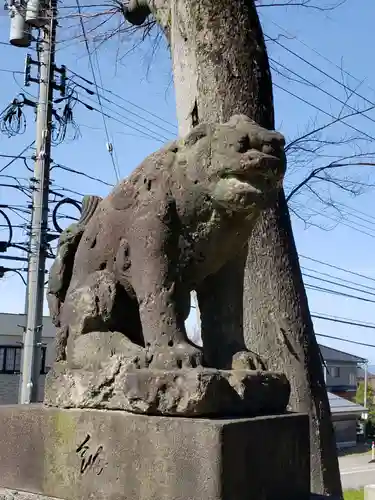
x=268, y=149
x=243, y=144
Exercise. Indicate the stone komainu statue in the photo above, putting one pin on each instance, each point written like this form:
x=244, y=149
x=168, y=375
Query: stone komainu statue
x=122, y=279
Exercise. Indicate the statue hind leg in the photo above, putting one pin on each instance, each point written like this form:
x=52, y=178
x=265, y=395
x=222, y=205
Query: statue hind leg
x=102, y=320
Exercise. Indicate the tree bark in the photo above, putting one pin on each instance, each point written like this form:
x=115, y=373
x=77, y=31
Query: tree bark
x=278, y=326
x=221, y=68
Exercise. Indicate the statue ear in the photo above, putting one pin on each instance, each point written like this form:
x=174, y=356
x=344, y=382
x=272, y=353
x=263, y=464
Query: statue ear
x=197, y=133
x=137, y=11
x=173, y=146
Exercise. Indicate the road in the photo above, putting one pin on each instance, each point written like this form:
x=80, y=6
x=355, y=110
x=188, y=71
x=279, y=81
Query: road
x=356, y=471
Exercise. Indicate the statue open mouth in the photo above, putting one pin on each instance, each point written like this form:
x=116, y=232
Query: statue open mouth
x=239, y=182
x=257, y=174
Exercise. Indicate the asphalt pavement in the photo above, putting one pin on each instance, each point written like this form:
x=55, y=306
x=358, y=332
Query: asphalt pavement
x=356, y=471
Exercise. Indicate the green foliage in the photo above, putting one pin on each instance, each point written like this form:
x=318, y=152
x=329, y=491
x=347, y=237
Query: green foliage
x=370, y=427
x=354, y=494
x=359, y=398
x=360, y=395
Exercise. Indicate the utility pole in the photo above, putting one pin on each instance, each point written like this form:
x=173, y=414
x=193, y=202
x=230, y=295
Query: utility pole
x=365, y=401
x=39, y=223
x=365, y=387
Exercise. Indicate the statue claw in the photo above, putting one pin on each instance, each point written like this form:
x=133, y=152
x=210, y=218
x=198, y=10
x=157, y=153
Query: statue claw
x=180, y=355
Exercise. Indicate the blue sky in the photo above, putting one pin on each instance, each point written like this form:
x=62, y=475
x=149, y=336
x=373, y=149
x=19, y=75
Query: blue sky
x=337, y=42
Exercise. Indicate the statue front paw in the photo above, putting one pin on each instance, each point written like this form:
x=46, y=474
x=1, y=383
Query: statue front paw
x=177, y=356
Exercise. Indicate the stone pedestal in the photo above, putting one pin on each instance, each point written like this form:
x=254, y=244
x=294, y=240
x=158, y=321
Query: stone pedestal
x=369, y=492
x=111, y=455
x=199, y=392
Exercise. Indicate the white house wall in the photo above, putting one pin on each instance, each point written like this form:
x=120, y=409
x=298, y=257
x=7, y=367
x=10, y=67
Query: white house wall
x=347, y=376
x=9, y=385
x=11, y=335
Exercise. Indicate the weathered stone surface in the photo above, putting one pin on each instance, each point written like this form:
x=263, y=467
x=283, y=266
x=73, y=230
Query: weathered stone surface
x=185, y=212
x=23, y=495
x=118, y=384
x=113, y=455
x=6, y=494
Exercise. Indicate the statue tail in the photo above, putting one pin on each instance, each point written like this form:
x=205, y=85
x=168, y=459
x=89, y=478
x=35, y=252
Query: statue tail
x=61, y=271
x=89, y=206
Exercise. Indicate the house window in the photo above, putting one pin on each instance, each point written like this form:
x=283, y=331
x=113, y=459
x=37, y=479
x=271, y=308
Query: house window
x=335, y=371
x=10, y=359
x=352, y=379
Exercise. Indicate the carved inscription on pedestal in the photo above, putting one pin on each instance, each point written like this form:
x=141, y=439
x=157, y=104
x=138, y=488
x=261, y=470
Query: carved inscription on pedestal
x=92, y=459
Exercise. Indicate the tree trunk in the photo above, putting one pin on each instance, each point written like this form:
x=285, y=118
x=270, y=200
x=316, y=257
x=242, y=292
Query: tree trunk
x=278, y=326
x=220, y=67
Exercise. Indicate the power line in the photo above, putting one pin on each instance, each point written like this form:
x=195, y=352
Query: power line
x=17, y=157
x=337, y=278
x=57, y=187
x=309, y=82
x=131, y=113
x=14, y=72
x=331, y=316
x=340, y=68
x=23, y=189
x=354, y=216
x=125, y=100
x=11, y=46
x=336, y=292
x=96, y=86
x=162, y=137
x=344, y=321
x=337, y=267
x=18, y=226
x=355, y=219
x=331, y=282
x=355, y=210
x=326, y=112
x=91, y=92
x=2, y=155
x=112, y=149
x=13, y=270
x=344, y=223
x=145, y=134
x=346, y=87
x=344, y=340
x=79, y=172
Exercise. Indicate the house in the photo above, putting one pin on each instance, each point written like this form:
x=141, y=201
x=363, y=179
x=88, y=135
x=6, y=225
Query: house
x=341, y=371
x=11, y=337
x=345, y=416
